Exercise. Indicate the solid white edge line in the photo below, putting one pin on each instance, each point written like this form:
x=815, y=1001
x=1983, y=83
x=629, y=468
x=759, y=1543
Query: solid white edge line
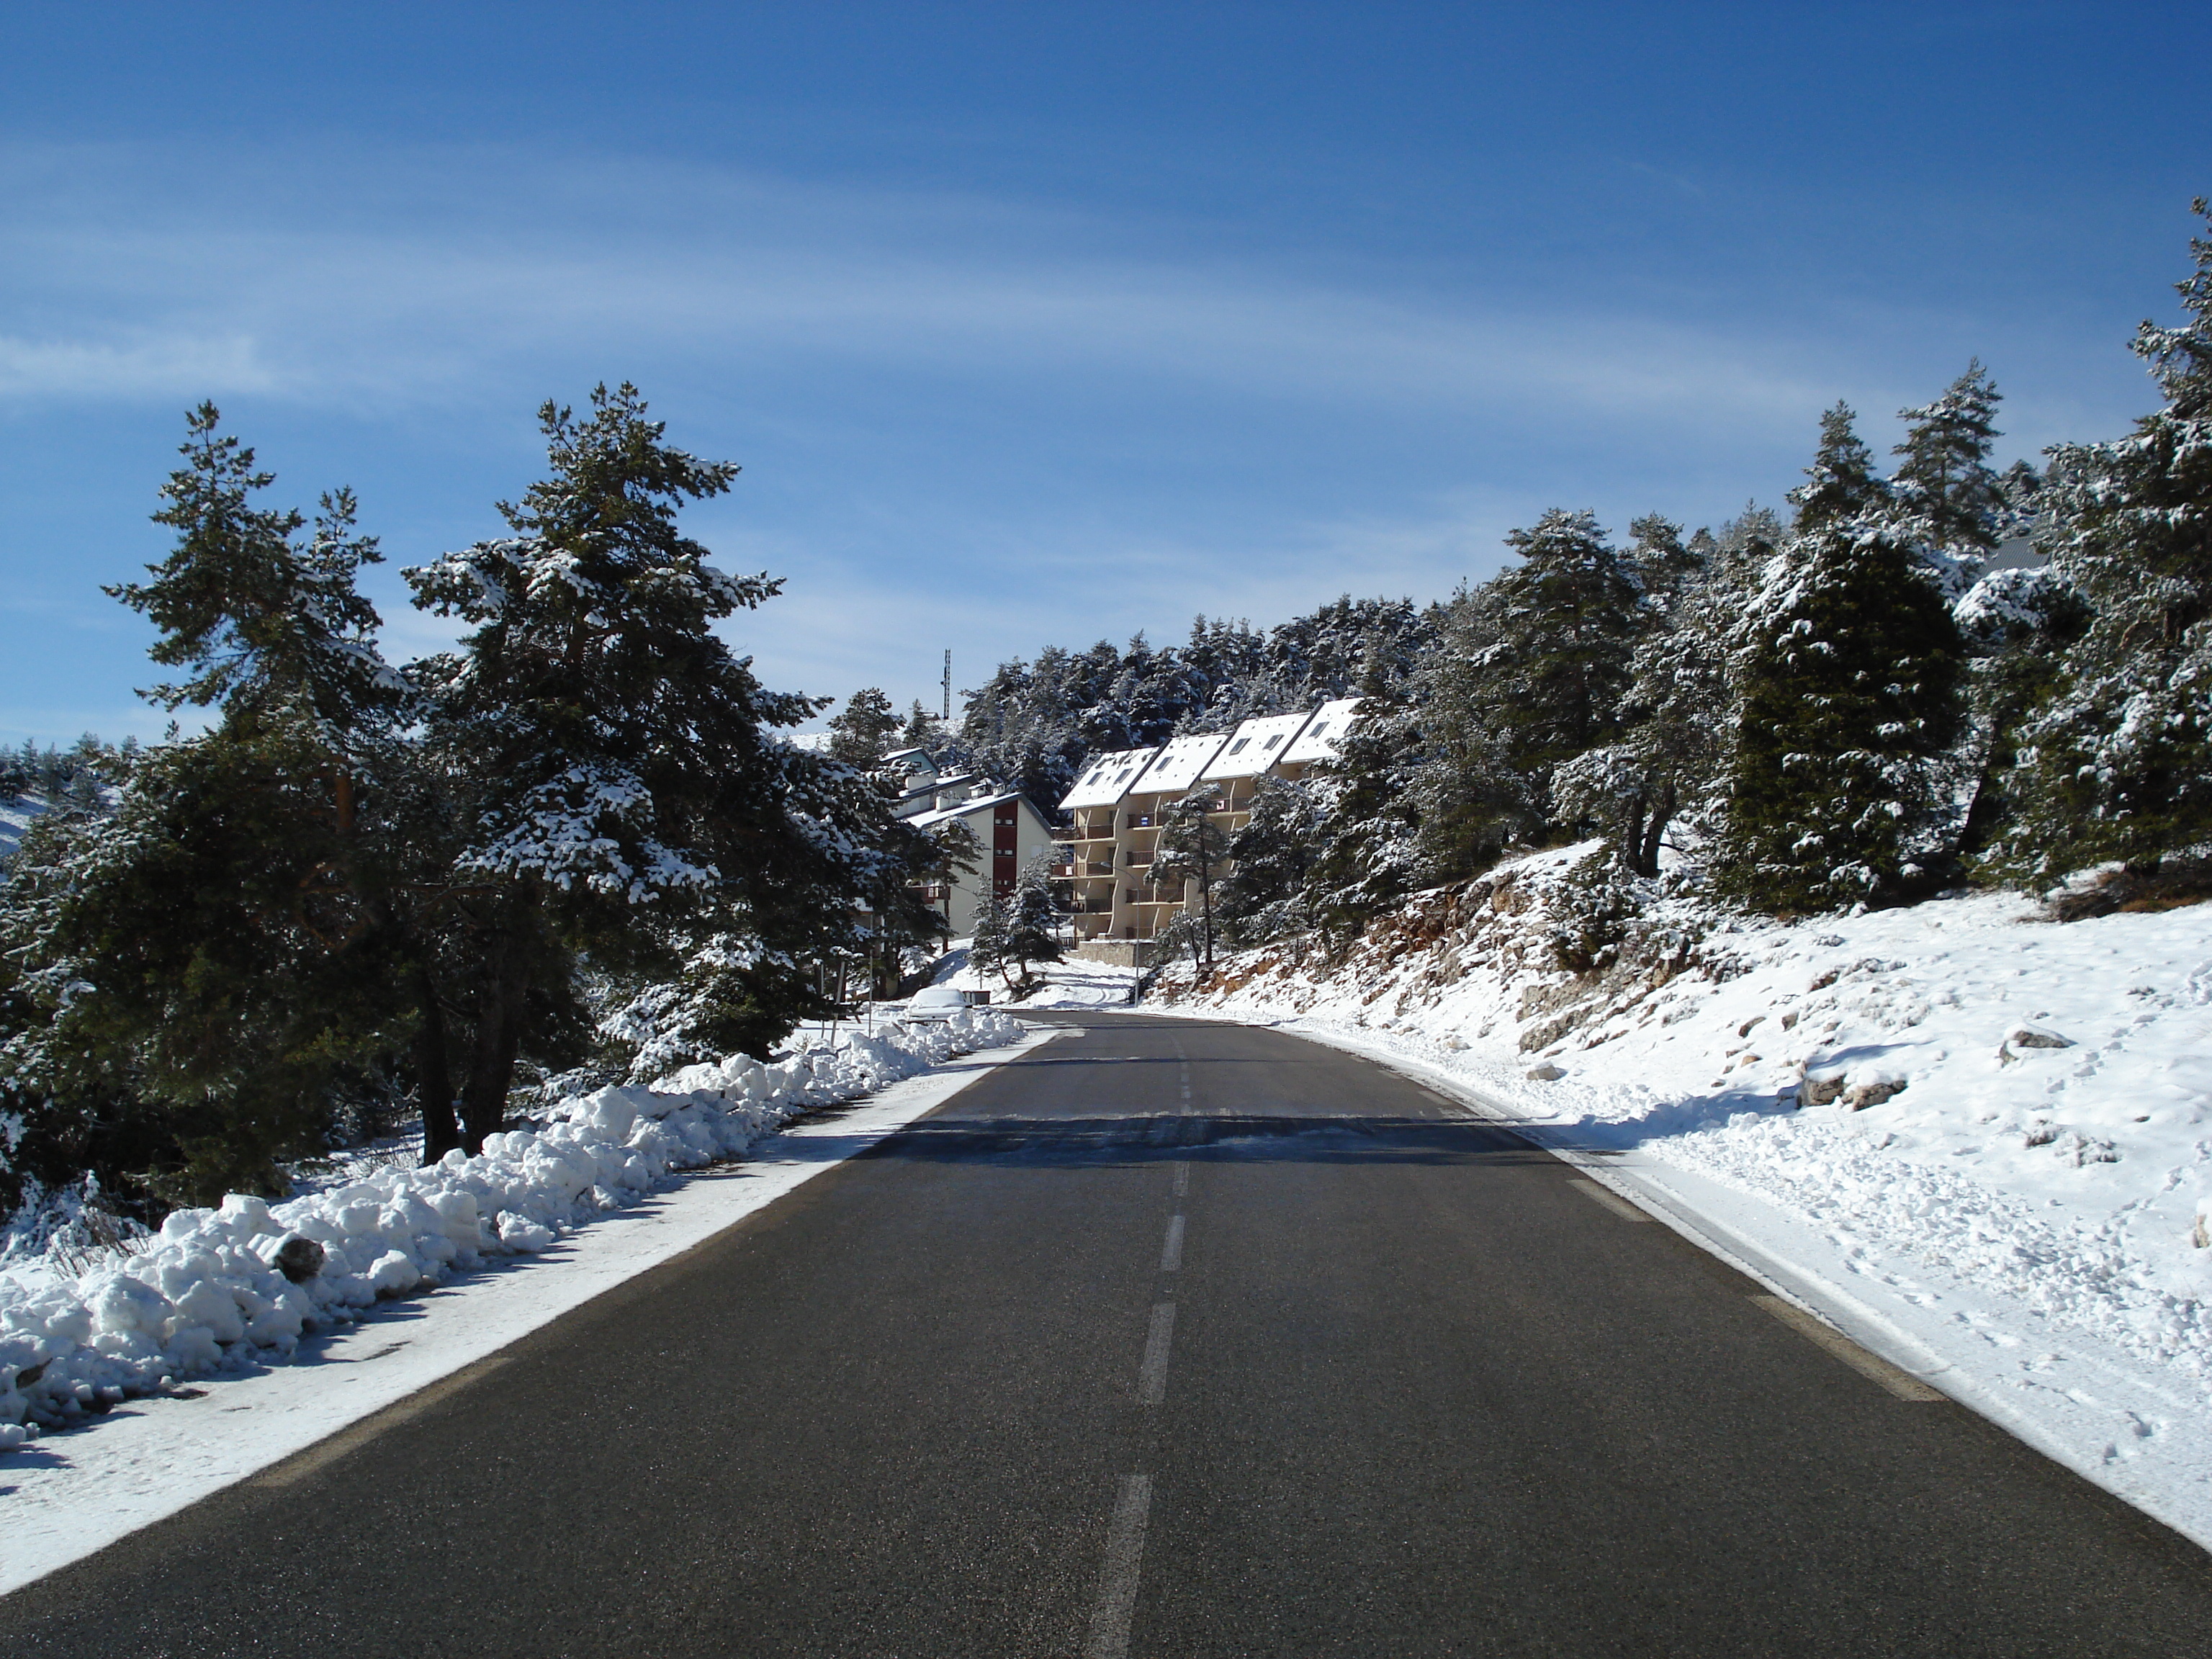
x=1609, y=1200
x=1872, y=1366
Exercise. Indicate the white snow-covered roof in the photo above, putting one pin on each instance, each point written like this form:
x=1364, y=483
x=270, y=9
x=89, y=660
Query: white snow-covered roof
x=1255, y=746
x=1318, y=740
x=1177, y=766
x=981, y=803
x=1107, y=779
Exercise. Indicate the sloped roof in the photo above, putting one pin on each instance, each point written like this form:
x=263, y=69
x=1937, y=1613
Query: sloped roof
x=1176, y=767
x=981, y=803
x=1319, y=739
x=1255, y=746
x=1107, y=779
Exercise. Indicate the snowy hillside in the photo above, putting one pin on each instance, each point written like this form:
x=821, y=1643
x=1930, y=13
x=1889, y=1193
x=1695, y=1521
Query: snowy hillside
x=16, y=812
x=2003, y=1121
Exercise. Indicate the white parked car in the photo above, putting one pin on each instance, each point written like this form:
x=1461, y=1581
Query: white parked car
x=936, y=1002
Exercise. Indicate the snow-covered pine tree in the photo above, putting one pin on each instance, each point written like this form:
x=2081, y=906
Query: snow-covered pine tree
x=1528, y=675
x=1264, y=895
x=1675, y=715
x=1367, y=861
x=1192, y=847
x=1846, y=672
x=623, y=789
x=2118, y=763
x=197, y=983
x=861, y=732
x=1017, y=931
x=1945, y=495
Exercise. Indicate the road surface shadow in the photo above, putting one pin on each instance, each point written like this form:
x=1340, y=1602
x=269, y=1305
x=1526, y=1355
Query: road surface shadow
x=1148, y=1138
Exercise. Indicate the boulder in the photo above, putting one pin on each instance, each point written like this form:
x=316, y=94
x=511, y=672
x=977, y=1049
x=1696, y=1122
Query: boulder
x=298, y=1259
x=1547, y=1072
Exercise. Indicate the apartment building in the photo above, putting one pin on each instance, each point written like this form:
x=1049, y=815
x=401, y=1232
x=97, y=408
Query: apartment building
x=1119, y=805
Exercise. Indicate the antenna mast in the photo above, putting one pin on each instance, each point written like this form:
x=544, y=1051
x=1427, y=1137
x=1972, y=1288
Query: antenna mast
x=948, y=687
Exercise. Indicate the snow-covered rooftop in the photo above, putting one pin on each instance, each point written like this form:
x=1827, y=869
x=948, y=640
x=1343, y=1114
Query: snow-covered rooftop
x=1107, y=779
x=1178, y=766
x=980, y=803
x=1255, y=746
x=1319, y=739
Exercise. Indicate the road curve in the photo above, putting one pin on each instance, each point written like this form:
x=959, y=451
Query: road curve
x=1175, y=1337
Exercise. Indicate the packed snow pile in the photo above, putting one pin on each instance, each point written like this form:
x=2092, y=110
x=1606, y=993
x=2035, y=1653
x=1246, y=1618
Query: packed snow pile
x=220, y=1289
x=1963, y=1085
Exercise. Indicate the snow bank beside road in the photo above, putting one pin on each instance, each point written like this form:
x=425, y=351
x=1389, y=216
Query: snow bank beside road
x=217, y=1289
x=1993, y=1130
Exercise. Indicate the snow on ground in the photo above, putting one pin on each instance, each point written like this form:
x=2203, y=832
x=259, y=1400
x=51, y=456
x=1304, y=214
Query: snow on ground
x=2005, y=1185
x=1073, y=983
x=221, y=1291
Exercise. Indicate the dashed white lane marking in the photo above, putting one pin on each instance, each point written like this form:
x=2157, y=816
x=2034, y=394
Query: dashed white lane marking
x=1903, y=1384
x=1612, y=1201
x=1152, y=1374
x=1182, y=1179
x=1171, y=1252
x=1117, y=1579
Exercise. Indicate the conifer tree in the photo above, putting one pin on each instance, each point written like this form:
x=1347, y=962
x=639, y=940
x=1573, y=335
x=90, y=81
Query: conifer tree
x=1264, y=895
x=1192, y=848
x=1016, y=931
x=860, y=733
x=1944, y=486
x=1675, y=713
x=1846, y=672
x=206, y=971
x=624, y=793
x=1528, y=675
x=1366, y=859
x=2118, y=764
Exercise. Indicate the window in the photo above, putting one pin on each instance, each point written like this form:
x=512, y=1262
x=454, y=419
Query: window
x=1318, y=730
x=1238, y=745
x=1273, y=741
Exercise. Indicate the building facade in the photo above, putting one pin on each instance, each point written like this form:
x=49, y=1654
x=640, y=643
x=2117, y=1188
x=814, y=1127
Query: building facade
x=1120, y=804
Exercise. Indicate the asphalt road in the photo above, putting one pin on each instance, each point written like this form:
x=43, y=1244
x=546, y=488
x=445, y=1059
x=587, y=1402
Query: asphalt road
x=1167, y=1338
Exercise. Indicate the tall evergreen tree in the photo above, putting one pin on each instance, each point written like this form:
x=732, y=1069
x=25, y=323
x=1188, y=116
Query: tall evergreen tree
x=1944, y=483
x=205, y=972
x=2118, y=764
x=1015, y=933
x=1366, y=859
x=1528, y=675
x=860, y=733
x=624, y=792
x=1846, y=672
x=1264, y=895
x=1675, y=711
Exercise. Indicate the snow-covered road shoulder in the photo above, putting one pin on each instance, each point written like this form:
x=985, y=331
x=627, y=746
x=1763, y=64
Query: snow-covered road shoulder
x=70, y=1494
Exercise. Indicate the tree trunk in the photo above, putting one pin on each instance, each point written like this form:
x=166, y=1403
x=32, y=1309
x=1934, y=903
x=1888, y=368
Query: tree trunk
x=498, y=1035
x=1655, y=831
x=434, y=1077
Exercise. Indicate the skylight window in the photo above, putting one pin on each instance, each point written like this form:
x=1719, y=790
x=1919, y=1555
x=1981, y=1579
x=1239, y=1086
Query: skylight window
x=1237, y=747
x=1273, y=741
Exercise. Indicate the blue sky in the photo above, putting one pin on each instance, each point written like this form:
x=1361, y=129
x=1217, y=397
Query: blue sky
x=1035, y=324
